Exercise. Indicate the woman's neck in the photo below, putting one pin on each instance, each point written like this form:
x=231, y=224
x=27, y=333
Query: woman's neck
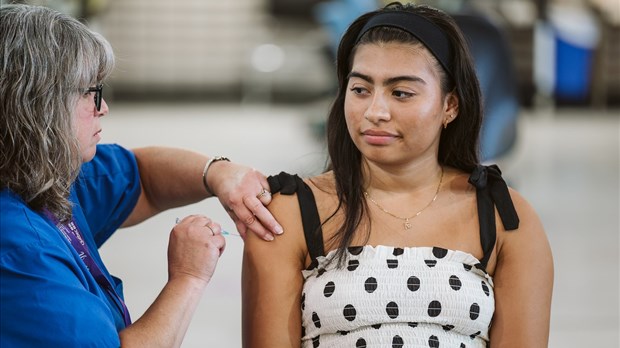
x=401, y=179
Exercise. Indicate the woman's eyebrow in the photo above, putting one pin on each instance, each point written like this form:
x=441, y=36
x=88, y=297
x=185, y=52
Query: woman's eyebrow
x=410, y=78
x=389, y=81
x=361, y=76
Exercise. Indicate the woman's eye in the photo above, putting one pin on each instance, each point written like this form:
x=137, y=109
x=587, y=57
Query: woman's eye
x=357, y=90
x=402, y=94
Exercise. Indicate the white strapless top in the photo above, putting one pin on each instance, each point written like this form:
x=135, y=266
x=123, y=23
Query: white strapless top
x=397, y=297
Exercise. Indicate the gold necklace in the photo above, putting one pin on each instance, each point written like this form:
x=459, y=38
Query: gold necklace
x=407, y=224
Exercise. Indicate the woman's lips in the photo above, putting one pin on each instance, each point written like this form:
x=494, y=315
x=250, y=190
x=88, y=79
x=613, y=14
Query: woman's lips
x=376, y=137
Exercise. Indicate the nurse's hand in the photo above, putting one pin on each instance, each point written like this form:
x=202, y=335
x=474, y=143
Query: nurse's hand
x=244, y=193
x=195, y=246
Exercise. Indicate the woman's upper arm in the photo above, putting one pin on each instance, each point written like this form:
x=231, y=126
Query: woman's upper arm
x=272, y=281
x=523, y=283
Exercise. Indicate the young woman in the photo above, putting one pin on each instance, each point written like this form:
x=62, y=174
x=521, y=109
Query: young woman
x=406, y=241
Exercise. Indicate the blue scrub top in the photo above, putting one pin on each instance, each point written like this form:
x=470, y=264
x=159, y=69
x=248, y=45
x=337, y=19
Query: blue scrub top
x=48, y=297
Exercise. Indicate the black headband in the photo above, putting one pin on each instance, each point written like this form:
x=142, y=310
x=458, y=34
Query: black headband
x=423, y=29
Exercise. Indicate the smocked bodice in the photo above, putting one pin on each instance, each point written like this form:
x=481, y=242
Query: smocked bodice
x=397, y=297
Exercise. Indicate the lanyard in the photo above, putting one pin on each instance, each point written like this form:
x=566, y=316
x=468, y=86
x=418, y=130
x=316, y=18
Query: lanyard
x=71, y=232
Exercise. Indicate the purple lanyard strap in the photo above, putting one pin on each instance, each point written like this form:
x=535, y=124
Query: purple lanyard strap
x=72, y=233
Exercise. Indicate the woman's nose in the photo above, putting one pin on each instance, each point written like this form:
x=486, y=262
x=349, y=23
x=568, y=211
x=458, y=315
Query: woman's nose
x=103, y=110
x=378, y=109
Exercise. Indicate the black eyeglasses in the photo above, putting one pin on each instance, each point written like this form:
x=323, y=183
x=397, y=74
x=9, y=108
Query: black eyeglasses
x=98, y=94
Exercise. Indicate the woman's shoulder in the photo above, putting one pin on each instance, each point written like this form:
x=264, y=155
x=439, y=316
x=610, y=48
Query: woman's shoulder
x=23, y=230
x=286, y=209
x=528, y=217
x=290, y=185
x=16, y=222
x=322, y=183
x=529, y=227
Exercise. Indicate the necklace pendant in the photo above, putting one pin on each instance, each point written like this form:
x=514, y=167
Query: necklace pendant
x=407, y=224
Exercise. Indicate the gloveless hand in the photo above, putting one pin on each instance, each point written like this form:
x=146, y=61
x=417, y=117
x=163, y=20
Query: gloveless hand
x=244, y=193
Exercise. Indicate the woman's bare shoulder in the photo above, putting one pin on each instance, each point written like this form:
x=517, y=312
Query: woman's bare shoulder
x=323, y=182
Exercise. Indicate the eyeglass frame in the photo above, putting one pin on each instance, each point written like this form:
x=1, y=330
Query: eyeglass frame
x=98, y=89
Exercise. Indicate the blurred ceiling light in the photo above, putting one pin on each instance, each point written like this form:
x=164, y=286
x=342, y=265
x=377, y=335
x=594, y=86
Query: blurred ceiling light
x=267, y=58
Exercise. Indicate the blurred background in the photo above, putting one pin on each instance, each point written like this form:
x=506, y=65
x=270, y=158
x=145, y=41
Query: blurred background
x=253, y=80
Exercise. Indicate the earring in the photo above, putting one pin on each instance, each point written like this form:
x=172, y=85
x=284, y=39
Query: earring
x=445, y=122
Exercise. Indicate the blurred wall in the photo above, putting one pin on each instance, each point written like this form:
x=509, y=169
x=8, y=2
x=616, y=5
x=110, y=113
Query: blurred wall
x=189, y=49
x=276, y=50
x=181, y=47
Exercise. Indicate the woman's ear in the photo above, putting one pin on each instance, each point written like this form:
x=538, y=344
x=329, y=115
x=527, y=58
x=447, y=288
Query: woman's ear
x=451, y=104
x=451, y=108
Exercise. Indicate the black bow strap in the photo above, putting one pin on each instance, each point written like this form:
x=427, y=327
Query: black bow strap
x=488, y=180
x=491, y=192
x=288, y=184
x=284, y=183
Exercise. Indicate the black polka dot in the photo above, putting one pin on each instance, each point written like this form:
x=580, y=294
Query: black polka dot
x=329, y=289
x=474, y=311
x=485, y=288
x=376, y=326
x=397, y=342
x=343, y=333
x=467, y=267
x=316, y=320
x=349, y=312
x=440, y=253
x=303, y=331
x=472, y=336
x=412, y=324
x=433, y=342
x=392, y=310
x=303, y=301
x=320, y=272
x=353, y=265
x=463, y=345
x=392, y=263
x=448, y=327
x=430, y=263
x=355, y=250
x=361, y=343
x=413, y=283
x=455, y=283
x=316, y=341
x=434, y=308
x=398, y=251
x=370, y=285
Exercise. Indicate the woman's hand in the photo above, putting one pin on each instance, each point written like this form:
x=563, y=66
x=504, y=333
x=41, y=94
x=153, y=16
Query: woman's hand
x=172, y=178
x=244, y=193
x=196, y=244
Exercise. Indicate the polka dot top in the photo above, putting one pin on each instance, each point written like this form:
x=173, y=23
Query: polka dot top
x=387, y=296
x=397, y=297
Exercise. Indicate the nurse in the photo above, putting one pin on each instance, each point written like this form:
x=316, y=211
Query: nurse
x=62, y=196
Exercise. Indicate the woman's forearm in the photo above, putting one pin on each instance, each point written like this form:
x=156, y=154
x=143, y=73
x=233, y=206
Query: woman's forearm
x=165, y=322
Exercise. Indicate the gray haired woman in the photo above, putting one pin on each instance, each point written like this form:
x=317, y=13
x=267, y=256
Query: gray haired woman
x=62, y=196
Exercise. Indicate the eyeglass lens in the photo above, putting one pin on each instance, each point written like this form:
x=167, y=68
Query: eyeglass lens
x=98, y=95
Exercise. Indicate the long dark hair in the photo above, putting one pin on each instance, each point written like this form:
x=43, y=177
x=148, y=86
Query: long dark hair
x=458, y=146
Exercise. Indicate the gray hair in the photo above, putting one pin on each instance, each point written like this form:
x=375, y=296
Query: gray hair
x=47, y=59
